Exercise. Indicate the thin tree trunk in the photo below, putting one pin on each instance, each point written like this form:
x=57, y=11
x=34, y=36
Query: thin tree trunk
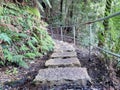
x=105, y=22
x=107, y=12
x=71, y=9
x=61, y=10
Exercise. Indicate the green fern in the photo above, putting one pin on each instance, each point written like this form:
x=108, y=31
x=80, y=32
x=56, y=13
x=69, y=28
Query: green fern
x=24, y=48
x=8, y=55
x=1, y=10
x=30, y=55
x=25, y=35
x=19, y=60
x=4, y=37
x=34, y=11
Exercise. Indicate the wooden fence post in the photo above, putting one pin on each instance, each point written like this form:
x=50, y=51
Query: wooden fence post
x=74, y=33
x=61, y=33
x=51, y=31
x=90, y=41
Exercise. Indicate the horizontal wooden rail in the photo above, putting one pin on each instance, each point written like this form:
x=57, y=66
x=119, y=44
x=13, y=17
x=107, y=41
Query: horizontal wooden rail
x=109, y=52
x=104, y=18
x=89, y=22
x=94, y=21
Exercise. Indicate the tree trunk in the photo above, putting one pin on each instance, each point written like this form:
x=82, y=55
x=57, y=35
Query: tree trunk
x=61, y=10
x=107, y=12
x=105, y=22
x=71, y=9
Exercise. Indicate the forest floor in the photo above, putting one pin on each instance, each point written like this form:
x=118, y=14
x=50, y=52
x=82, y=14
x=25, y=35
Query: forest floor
x=102, y=77
x=97, y=69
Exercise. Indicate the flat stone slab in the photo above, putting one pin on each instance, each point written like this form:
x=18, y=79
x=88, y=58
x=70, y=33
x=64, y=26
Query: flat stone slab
x=62, y=62
x=61, y=46
x=64, y=50
x=63, y=54
x=57, y=76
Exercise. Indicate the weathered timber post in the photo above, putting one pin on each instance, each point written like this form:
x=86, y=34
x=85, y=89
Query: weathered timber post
x=51, y=30
x=61, y=30
x=90, y=40
x=74, y=34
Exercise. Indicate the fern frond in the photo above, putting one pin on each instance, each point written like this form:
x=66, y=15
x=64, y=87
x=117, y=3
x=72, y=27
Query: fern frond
x=5, y=38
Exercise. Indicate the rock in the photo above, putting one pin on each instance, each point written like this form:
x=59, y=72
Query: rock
x=64, y=49
x=62, y=62
x=63, y=54
x=31, y=62
x=63, y=46
x=58, y=72
x=57, y=76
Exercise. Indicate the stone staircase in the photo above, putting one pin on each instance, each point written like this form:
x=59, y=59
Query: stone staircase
x=63, y=67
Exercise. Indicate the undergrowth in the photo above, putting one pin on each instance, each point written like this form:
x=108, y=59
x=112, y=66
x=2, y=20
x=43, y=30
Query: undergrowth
x=23, y=35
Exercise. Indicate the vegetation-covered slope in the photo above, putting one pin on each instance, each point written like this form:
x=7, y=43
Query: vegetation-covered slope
x=22, y=34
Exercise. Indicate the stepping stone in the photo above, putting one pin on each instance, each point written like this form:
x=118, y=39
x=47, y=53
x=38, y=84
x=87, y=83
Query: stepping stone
x=64, y=46
x=57, y=76
x=59, y=44
x=68, y=48
x=62, y=62
x=64, y=50
x=63, y=55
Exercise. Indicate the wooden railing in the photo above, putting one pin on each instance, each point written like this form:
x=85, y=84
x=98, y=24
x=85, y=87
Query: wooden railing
x=73, y=37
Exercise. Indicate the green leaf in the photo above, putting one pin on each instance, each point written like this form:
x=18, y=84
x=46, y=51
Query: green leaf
x=22, y=35
x=8, y=55
x=30, y=55
x=34, y=40
x=24, y=48
x=48, y=2
x=4, y=37
x=19, y=60
x=2, y=63
x=40, y=6
x=1, y=10
x=34, y=11
x=31, y=45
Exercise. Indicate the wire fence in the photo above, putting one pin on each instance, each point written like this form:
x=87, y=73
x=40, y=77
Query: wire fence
x=82, y=35
x=63, y=33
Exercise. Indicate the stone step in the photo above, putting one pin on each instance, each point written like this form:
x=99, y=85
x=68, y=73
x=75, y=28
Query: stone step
x=57, y=76
x=63, y=44
x=58, y=46
x=63, y=54
x=64, y=50
x=62, y=47
x=57, y=42
x=62, y=62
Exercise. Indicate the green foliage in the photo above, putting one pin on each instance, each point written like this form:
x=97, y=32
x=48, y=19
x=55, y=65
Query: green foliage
x=19, y=59
x=34, y=11
x=11, y=71
x=1, y=10
x=110, y=36
x=30, y=55
x=5, y=38
x=22, y=35
x=47, y=2
x=118, y=65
